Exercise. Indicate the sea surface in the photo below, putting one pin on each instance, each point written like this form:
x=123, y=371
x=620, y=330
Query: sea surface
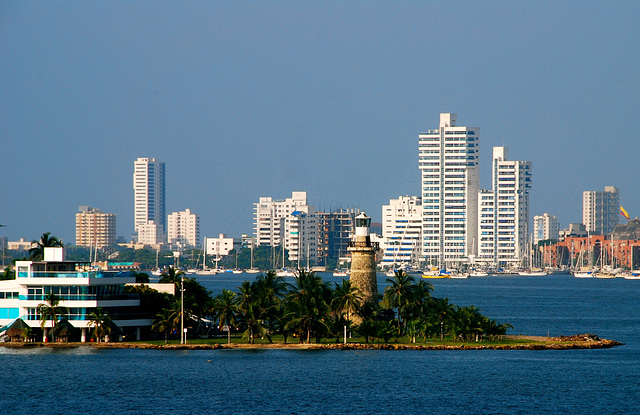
x=128, y=381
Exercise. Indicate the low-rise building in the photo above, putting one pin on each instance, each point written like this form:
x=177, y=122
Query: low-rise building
x=80, y=289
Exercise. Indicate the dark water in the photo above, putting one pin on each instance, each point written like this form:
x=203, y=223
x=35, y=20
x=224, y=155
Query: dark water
x=82, y=380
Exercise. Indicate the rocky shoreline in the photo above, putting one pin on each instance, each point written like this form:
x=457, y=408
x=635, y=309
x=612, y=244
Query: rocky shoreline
x=585, y=341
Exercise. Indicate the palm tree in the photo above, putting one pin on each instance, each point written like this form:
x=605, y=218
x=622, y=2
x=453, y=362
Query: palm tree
x=268, y=291
x=50, y=309
x=443, y=311
x=346, y=297
x=418, y=300
x=225, y=310
x=309, y=305
x=398, y=291
x=46, y=241
x=100, y=322
x=164, y=321
x=171, y=275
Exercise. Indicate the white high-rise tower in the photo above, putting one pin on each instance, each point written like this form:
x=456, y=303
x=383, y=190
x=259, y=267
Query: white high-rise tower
x=149, y=194
x=504, y=211
x=448, y=160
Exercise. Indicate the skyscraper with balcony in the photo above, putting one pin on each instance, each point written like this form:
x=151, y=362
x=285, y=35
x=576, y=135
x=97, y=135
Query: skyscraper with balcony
x=401, y=232
x=183, y=229
x=95, y=228
x=545, y=227
x=149, y=194
x=448, y=161
x=601, y=210
x=503, y=226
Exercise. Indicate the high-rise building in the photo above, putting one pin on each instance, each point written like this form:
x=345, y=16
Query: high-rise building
x=301, y=237
x=149, y=193
x=601, y=210
x=335, y=230
x=268, y=215
x=95, y=228
x=183, y=228
x=401, y=231
x=448, y=161
x=503, y=226
x=150, y=233
x=545, y=227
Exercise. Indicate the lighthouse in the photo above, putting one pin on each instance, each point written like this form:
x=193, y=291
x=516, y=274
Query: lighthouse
x=363, y=260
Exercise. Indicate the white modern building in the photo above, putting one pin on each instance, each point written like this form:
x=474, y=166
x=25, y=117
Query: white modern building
x=95, y=228
x=221, y=246
x=269, y=214
x=601, y=210
x=183, y=229
x=545, y=227
x=149, y=193
x=80, y=289
x=151, y=233
x=301, y=236
x=448, y=161
x=503, y=226
x=401, y=232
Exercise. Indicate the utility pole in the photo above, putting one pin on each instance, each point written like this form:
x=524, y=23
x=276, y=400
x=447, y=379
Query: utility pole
x=182, y=336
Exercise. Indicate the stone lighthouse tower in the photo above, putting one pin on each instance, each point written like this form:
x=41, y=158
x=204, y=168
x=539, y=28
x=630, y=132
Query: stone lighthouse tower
x=363, y=261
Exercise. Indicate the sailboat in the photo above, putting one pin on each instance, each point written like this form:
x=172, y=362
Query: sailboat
x=252, y=270
x=157, y=272
x=205, y=270
x=237, y=270
x=284, y=272
x=531, y=272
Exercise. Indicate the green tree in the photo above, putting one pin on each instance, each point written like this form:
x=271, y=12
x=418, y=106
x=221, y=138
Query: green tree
x=441, y=308
x=346, y=298
x=309, y=302
x=397, y=294
x=225, y=310
x=164, y=321
x=100, y=322
x=8, y=274
x=50, y=310
x=46, y=241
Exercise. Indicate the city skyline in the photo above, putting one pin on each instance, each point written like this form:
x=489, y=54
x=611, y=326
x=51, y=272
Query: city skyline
x=242, y=102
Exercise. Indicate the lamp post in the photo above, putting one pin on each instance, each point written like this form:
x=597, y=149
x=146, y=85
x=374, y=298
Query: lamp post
x=182, y=336
x=3, y=243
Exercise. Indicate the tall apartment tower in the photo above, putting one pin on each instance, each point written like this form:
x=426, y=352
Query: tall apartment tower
x=503, y=226
x=268, y=215
x=401, y=231
x=600, y=210
x=149, y=193
x=545, y=227
x=448, y=161
x=335, y=230
x=95, y=228
x=183, y=228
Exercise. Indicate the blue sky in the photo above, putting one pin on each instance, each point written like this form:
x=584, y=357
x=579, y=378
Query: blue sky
x=250, y=99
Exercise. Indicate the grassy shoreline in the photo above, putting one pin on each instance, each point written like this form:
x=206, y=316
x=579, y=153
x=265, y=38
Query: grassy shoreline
x=508, y=343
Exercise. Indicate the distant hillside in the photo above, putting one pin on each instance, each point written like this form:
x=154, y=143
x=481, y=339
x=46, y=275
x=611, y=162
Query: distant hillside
x=629, y=231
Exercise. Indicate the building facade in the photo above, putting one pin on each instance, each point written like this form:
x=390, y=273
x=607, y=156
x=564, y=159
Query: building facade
x=335, y=230
x=81, y=289
x=545, y=227
x=183, y=229
x=601, y=210
x=95, y=228
x=401, y=232
x=448, y=161
x=269, y=214
x=150, y=233
x=221, y=246
x=301, y=237
x=149, y=193
x=503, y=223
